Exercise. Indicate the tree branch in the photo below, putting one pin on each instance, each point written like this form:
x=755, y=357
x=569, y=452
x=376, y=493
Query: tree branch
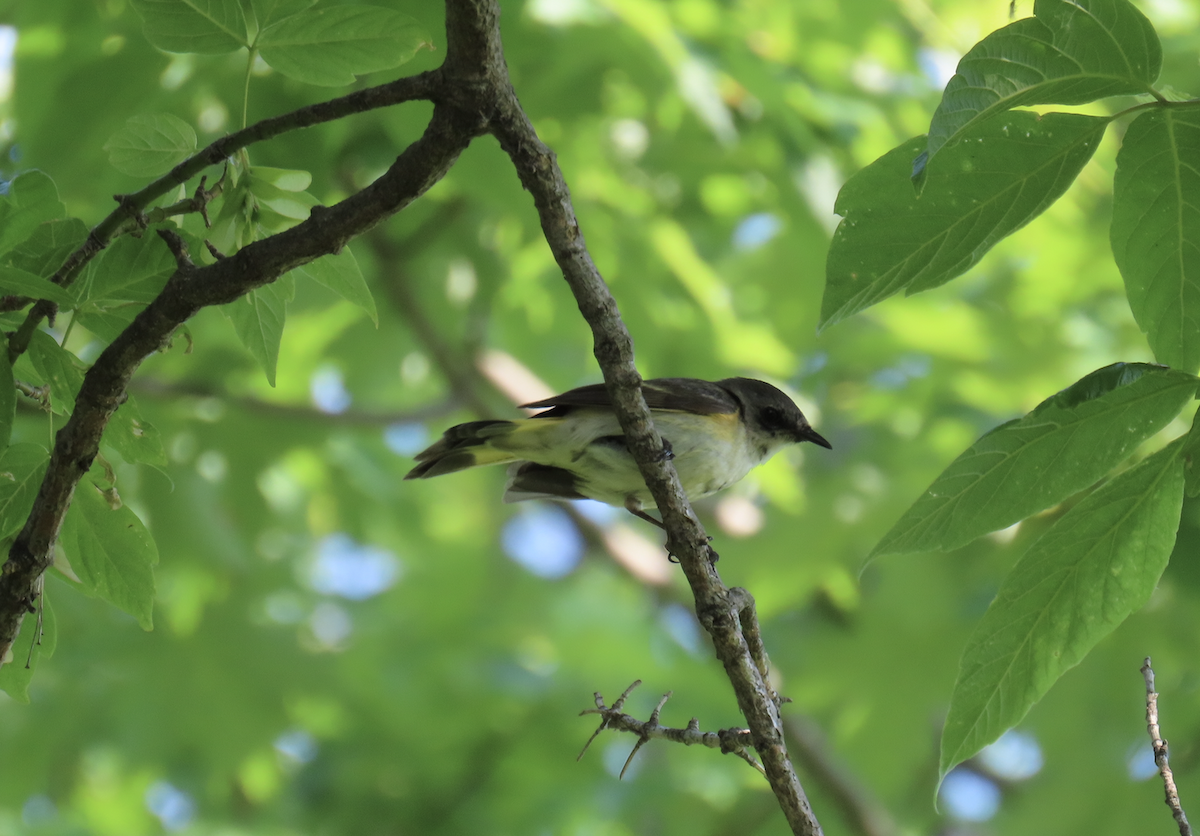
x=412, y=88
x=191, y=288
x=718, y=610
x=1160, y=753
x=729, y=741
x=472, y=94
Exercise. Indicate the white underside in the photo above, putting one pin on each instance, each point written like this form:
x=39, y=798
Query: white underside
x=710, y=453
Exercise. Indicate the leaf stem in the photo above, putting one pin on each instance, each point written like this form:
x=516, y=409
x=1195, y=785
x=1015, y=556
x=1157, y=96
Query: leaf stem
x=1159, y=102
x=251, y=54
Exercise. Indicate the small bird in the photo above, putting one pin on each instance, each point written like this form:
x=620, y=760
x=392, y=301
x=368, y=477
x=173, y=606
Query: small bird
x=716, y=433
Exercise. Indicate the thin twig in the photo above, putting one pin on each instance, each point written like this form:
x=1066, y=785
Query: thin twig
x=718, y=611
x=423, y=86
x=1160, y=752
x=729, y=741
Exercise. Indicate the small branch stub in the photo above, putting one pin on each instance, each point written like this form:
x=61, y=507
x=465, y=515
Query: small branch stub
x=1160, y=752
x=729, y=741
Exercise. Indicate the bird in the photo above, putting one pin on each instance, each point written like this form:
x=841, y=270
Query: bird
x=715, y=432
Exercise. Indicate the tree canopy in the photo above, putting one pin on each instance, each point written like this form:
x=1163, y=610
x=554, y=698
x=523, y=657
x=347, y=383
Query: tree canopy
x=337, y=650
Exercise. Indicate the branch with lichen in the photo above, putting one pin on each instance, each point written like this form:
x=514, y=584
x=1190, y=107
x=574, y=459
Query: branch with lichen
x=1161, y=754
x=729, y=741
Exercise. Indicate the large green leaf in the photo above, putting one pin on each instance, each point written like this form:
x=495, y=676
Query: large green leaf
x=331, y=46
x=150, y=144
x=205, y=26
x=111, y=552
x=135, y=438
x=22, y=467
x=340, y=274
x=23, y=283
x=994, y=179
x=1065, y=444
x=57, y=367
x=272, y=11
x=1156, y=231
x=15, y=676
x=132, y=270
x=32, y=199
x=1069, y=53
x=44, y=252
x=1082, y=578
x=258, y=317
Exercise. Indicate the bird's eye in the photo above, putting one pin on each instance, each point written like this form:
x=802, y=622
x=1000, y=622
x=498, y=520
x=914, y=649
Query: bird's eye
x=772, y=418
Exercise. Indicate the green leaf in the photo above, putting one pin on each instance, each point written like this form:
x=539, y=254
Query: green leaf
x=1082, y=578
x=44, y=252
x=132, y=270
x=32, y=199
x=1072, y=52
x=20, y=283
x=57, y=366
x=14, y=676
x=296, y=206
x=107, y=323
x=111, y=552
x=1156, y=231
x=204, y=26
x=998, y=176
x=135, y=438
x=287, y=179
x=150, y=144
x=22, y=468
x=258, y=319
x=340, y=274
x=1065, y=444
x=273, y=11
x=331, y=46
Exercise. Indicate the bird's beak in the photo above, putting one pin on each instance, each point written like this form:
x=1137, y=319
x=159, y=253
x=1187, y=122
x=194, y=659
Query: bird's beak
x=809, y=434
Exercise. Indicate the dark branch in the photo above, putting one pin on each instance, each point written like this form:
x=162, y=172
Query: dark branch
x=412, y=88
x=191, y=288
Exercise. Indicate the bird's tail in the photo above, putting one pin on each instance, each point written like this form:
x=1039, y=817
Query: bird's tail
x=463, y=446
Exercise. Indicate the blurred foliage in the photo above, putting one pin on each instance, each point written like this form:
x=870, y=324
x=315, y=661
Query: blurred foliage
x=338, y=651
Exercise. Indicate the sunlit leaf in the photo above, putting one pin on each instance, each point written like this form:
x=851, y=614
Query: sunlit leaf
x=272, y=11
x=58, y=367
x=258, y=317
x=111, y=552
x=1083, y=577
x=135, y=438
x=1156, y=231
x=132, y=270
x=331, y=46
x=998, y=176
x=44, y=252
x=32, y=199
x=1064, y=445
x=150, y=144
x=22, y=283
x=205, y=26
x=22, y=467
x=287, y=179
x=1069, y=53
x=340, y=274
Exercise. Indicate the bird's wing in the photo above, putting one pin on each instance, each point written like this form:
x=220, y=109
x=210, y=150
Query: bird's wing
x=675, y=393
